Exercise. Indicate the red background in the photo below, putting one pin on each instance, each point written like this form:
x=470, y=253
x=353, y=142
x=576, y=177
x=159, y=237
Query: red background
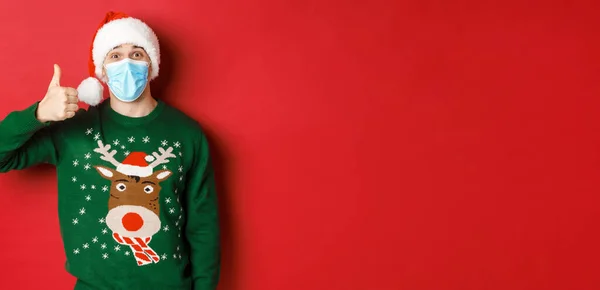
x=358, y=144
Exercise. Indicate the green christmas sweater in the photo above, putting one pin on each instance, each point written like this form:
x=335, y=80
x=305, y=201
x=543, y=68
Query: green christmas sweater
x=136, y=197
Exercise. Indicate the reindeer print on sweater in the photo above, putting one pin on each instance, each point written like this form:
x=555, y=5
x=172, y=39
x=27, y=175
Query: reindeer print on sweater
x=133, y=205
x=132, y=193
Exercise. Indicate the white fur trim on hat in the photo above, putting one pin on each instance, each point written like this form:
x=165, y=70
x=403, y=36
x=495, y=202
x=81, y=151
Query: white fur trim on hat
x=90, y=91
x=125, y=31
x=135, y=170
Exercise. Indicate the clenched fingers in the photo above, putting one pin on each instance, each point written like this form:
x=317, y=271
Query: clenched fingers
x=69, y=114
x=72, y=99
x=71, y=108
x=71, y=92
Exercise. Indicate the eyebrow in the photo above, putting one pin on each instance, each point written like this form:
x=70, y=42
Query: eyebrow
x=144, y=182
x=119, y=46
x=122, y=180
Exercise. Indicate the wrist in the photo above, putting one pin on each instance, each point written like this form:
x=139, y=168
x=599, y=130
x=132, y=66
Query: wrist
x=39, y=113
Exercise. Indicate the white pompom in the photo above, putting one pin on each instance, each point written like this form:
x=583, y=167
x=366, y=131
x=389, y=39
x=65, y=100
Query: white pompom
x=149, y=158
x=90, y=91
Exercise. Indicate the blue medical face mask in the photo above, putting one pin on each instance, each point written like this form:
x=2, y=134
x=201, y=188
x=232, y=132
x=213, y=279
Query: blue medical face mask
x=127, y=78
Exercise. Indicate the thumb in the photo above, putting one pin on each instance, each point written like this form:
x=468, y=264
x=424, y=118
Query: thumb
x=55, y=82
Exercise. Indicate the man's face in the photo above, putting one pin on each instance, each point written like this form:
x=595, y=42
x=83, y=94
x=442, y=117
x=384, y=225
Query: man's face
x=127, y=51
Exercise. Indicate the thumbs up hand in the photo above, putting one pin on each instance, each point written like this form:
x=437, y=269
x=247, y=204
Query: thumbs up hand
x=60, y=103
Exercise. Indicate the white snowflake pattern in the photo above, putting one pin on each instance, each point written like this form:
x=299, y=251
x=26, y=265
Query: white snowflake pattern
x=146, y=139
x=93, y=187
x=117, y=248
x=179, y=256
x=164, y=167
x=180, y=154
x=164, y=256
x=101, y=220
x=88, y=155
x=164, y=143
x=126, y=153
x=105, y=188
x=96, y=136
x=177, y=144
x=103, y=246
x=104, y=231
x=179, y=235
x=75, y=162
x=83, y=187
x=116, y=142
x=176, y=190
x=87, y=167
x=122, y=146
x=180, y=168
x=82, y=211
x=174, y=256
x=88, y=197
x=89, y=131
x=105, y=256
x=74, y=179
x=166, y=228
x=76, y=251
x=131, y=139
x=168, y=200
x=171, y=210
x=180, y=178
x=95, y=240
x=177, y=248
x=127, y=253
x=75, y=221
x=177, y=223
x=86, y=245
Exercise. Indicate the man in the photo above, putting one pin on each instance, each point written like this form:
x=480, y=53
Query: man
x=136, y=194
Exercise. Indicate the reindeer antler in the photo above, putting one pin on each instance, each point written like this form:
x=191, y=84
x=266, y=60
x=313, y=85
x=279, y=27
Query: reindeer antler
x=162, y=157
x=107, y=156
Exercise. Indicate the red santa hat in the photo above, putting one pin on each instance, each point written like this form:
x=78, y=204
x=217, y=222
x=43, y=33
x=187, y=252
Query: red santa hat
x=116, y=28
x=136, y=164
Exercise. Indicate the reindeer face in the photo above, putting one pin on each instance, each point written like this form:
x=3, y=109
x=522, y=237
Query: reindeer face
x=133, y=205
x=134, y=190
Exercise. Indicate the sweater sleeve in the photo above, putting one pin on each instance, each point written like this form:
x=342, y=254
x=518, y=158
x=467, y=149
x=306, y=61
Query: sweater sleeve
x=202, y=227
x=25, y=141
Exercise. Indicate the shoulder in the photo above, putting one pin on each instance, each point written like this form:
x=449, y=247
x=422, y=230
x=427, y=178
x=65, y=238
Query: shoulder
x=192, y=131
x=184, y=122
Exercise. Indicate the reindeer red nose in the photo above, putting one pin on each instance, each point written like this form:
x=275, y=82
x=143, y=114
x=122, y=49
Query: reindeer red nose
x=132, y=221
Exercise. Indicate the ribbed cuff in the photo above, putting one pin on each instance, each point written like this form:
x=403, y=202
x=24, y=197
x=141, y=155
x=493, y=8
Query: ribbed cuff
x=32, y=121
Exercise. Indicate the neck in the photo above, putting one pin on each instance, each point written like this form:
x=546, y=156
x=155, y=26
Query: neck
x=138, y=108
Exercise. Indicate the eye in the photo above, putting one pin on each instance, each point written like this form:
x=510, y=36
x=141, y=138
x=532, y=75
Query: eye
x=148, y=189
x=138, y=54
x=121, y=187
x=114, y=56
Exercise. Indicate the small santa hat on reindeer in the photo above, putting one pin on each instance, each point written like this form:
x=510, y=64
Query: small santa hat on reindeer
x=135, y=164
x=116, y=28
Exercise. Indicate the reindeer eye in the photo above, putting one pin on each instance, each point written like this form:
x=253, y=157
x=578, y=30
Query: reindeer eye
x=148, y=189
x=121, y=187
